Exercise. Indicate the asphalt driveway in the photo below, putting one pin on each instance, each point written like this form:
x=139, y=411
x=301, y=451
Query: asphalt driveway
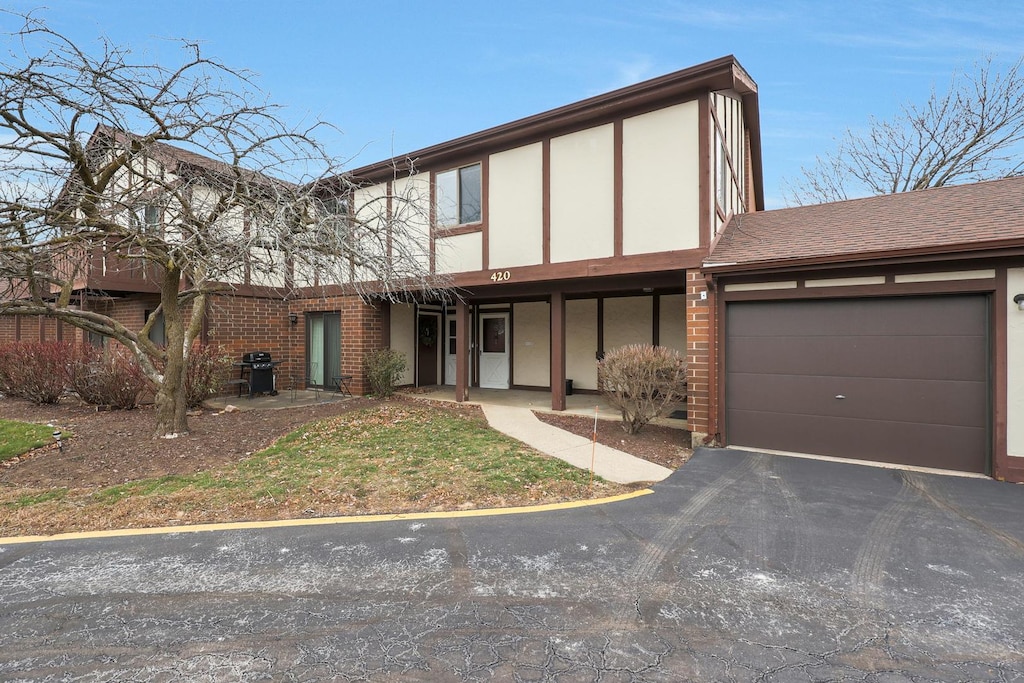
x=739, y=567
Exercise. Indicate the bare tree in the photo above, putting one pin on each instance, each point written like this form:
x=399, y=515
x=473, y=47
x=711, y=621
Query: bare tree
x=972, y=132
x=187, y=175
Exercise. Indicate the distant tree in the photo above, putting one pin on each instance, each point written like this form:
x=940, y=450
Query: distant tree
x=185, y=173
x=970, y=133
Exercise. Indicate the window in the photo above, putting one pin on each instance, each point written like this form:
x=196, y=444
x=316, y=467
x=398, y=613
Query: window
x=157, y=333
x=458, y=196
x=148, y=217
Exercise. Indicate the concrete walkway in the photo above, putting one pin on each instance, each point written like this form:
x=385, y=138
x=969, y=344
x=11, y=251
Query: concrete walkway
x=609, y=463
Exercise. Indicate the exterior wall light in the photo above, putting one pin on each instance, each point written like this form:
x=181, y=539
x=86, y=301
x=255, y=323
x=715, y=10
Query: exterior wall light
x=293, y=318
x=1019, y=300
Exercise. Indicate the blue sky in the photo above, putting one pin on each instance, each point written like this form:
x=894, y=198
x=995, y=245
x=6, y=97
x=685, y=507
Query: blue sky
x=399, y=76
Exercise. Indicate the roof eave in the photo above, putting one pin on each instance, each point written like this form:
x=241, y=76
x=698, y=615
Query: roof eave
x=980, y=250
x=719, y=74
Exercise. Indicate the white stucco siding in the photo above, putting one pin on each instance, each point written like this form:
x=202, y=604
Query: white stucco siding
x=531, y=334
x=403, y=338
x=410, y=207
x=515, y=207
x=628, y=320
x=582, y=195
x=1014, y=365
x=371, y=215
x=581, y=342
x=661, y=180
x=459, y=253
x=672, y=322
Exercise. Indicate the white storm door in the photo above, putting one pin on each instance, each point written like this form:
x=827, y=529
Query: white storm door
x=449, y=352
x=494, y=350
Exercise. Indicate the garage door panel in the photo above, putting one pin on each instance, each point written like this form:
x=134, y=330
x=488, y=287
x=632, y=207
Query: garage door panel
x=908, y=357
x=913, y=373
x=942, y=446
x=862, y=317
x=935, y=402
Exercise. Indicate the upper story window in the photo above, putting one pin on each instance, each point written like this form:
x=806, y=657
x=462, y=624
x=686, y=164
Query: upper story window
x=148, y=217
x=459, y=196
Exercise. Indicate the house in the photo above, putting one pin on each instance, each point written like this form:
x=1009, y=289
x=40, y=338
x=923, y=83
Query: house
x=889, y=328
x=565, y=234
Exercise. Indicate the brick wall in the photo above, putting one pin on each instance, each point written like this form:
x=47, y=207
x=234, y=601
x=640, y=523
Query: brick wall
x=697, y=339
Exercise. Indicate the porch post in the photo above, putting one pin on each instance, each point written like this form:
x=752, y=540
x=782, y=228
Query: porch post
x=461, y=351
x=557, y=351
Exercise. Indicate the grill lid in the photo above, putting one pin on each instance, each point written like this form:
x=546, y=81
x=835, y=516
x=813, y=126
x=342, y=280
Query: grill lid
x=256, y=357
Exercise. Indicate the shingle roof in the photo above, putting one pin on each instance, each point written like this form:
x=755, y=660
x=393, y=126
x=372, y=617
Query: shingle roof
x=939, y=220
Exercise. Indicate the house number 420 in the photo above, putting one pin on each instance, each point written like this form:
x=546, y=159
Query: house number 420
x=500, y=276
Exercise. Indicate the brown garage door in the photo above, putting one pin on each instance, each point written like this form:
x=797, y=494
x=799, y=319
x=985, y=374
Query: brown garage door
x=895, y=380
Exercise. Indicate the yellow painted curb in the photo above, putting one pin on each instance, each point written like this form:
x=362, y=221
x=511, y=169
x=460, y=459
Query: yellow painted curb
x=321, y=521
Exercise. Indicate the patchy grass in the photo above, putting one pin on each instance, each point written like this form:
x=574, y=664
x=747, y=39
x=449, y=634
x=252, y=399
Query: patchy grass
x=392, y=458
x=18, y=438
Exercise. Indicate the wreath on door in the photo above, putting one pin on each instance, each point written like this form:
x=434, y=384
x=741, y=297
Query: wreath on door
x=428, y=334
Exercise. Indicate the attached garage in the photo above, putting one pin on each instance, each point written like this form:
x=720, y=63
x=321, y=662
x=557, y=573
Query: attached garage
x=901, y=379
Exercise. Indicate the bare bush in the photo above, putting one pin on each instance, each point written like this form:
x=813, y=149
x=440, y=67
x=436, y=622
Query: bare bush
x=108, y=376
x=383, y=370
x=35, y=371
x=641, y=381
x=204, y=371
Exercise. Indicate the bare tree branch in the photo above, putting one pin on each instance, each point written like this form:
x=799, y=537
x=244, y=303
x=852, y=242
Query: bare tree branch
x=972, y=132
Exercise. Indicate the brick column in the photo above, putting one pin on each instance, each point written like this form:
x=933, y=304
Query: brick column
x=697, y=356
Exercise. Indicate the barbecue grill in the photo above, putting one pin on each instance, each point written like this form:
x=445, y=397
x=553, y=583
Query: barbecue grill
x=260, y=367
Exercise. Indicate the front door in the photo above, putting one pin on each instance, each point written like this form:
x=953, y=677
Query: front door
x=427, y=343
x=494, y=351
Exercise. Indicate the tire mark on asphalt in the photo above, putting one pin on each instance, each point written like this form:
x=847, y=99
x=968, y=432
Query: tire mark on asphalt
x=868, y=572
x=665, y=542
x=458, y=556
x=921, y=484
x=801, y=549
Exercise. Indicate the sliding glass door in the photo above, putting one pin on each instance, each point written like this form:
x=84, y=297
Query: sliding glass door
x=323, y=349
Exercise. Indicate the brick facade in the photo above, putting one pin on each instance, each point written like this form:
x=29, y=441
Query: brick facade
x=697, y=358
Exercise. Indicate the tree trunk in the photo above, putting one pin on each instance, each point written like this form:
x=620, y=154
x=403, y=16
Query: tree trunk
x=170, y=396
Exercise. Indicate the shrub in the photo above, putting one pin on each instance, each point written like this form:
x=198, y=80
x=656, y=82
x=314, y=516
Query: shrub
x=641, y=381
x=204, y=370
x=35, y=371
x=383, y=369
x=108, y=376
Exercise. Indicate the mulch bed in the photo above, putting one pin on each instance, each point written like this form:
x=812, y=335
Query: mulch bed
x=666, y=446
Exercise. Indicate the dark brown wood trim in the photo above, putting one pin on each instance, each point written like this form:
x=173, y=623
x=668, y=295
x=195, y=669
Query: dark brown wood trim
x=557, y=351
x=600, y=328
x=485, y=177
x=511, y=346
x=467, y=229
x=618, y=185
x=999, y=249
x=389, y=190
x=415, y=345
x=545, y=201
x=655, y=320
x=461, y=351
x=704, y=169
x=864, y=291
x=637, y=264
x=432, y=217
x=999, y=302
x=720, y=74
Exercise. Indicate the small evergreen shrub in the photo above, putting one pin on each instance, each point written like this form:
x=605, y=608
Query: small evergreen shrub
x=108, y=376
x=35, y=371
x=383, y=369
x=641, y=381
x=205, y=368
